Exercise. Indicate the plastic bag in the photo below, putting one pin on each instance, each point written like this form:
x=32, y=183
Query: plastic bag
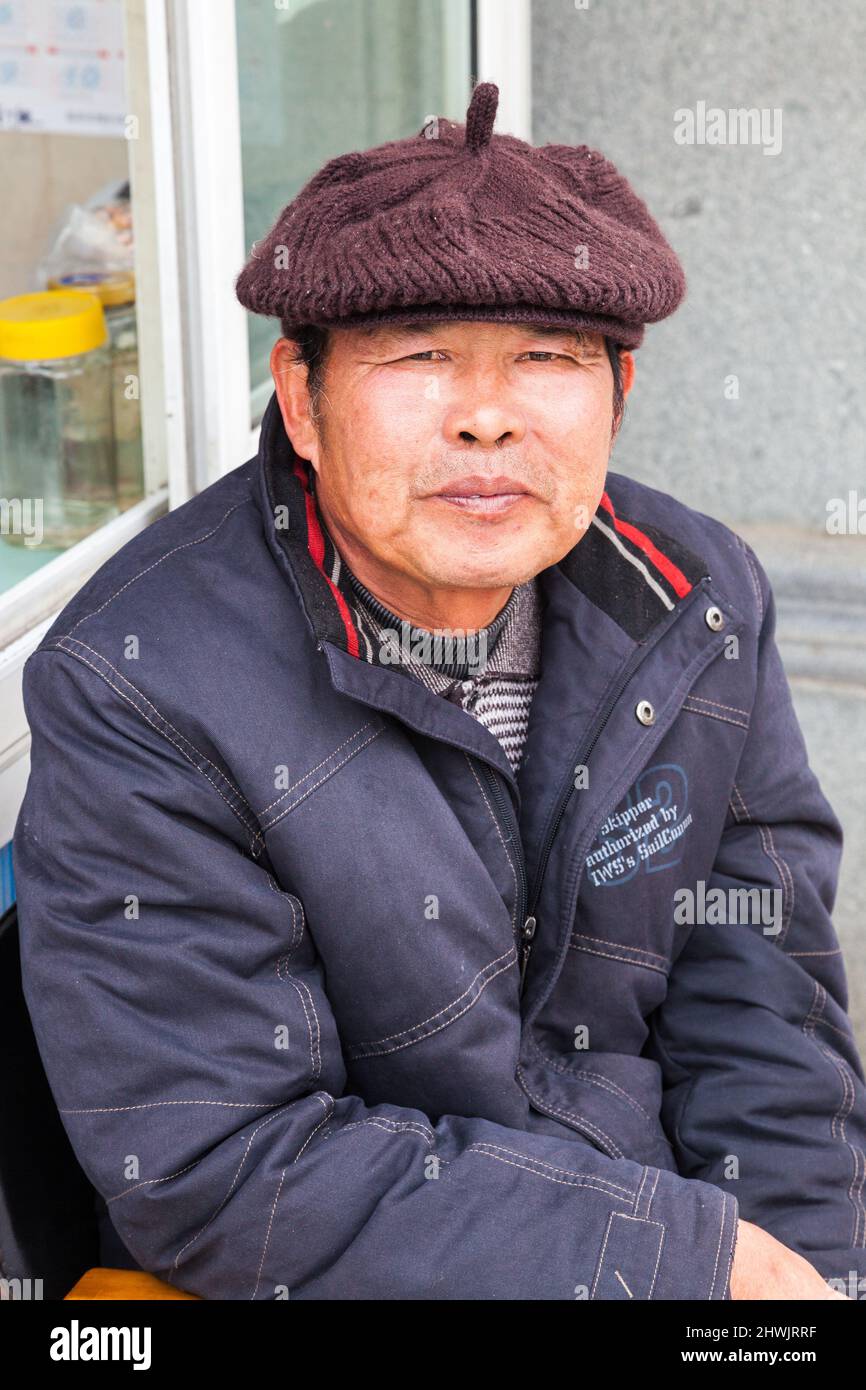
x=96, y=237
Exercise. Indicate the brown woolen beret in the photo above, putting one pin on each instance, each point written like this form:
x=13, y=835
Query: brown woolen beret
x=458, y=223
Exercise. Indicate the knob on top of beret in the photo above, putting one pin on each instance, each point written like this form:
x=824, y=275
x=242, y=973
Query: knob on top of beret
x=480, y=115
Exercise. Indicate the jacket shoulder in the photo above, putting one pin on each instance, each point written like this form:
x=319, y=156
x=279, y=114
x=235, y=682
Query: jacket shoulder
x=162, y=572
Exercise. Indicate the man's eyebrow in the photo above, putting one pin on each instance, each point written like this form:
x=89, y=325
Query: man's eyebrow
x=579, y=337
x=395, y=330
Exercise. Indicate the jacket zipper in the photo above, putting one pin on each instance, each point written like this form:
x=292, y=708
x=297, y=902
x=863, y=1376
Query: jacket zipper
x=580, y=759
x=529, y=923
x=526, y=929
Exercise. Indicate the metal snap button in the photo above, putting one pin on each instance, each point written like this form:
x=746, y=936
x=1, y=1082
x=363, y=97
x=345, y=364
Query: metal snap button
x=645, y=712
x=714, y=618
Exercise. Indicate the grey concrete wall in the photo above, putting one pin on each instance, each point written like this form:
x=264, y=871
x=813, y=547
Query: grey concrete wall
x=773, y=247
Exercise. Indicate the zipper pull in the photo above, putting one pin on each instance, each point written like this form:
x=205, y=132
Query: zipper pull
x=527, y=932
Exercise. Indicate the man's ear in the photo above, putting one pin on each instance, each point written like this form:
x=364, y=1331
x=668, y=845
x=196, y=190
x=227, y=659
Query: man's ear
x=626, y=361
x=293, y=396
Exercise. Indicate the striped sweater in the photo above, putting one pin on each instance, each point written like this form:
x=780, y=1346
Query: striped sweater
x=497, y=688
x=493, y=676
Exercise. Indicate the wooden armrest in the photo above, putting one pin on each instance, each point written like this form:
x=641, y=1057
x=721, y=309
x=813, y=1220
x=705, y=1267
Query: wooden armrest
x=124, y=1283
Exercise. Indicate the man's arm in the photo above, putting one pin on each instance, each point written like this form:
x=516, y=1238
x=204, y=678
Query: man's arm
x=764, y=1085
x=179, y=1007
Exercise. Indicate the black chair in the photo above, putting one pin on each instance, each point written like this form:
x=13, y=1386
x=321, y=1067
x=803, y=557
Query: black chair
x=54, y=1225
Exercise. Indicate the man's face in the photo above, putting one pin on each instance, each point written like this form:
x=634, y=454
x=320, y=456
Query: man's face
x=462, y=455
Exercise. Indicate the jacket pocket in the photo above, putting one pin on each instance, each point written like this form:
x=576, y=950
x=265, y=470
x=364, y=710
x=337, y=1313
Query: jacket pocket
x=629, y=1259
x=612, y=1099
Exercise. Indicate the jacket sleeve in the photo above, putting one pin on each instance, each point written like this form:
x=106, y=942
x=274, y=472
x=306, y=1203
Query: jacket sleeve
x=764, y=1086
x=180, y=1010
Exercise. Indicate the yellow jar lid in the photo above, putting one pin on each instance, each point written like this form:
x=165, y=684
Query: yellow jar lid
x=112, y=288
x=50, y=323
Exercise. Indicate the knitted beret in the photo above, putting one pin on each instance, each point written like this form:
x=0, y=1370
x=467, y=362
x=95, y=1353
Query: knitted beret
x=458, y=223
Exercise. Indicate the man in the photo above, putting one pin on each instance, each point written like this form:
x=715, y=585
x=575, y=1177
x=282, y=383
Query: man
x=367, y=970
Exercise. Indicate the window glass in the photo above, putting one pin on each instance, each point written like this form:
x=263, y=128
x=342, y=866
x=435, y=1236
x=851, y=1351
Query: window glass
x=321, y=77
x=70, y=426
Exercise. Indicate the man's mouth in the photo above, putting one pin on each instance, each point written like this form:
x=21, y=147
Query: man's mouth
x=483, y=496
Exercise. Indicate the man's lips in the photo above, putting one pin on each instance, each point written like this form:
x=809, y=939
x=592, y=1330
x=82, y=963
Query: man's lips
x=483, y=496
x=482, y=486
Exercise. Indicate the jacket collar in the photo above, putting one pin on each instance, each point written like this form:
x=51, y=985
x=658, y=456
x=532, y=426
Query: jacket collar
x=633, y=572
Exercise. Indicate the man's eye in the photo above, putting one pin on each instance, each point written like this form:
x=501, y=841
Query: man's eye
x=549, y=356
x=424, y=356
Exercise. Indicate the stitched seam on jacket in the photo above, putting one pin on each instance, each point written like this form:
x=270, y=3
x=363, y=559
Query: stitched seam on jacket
x=183, y=546
x=309, y=774
x=717, y=704
x=733, y=1242
x=300, y=987
x=837, y=1126
x=297, y=936
x=768, y=844
x=711, y=714
x=719, y=1246
x=152, y=1104
x=284, y=1106
x=639, y=950
x=753, y=575
x=532, y=1165
x=328, y=775
x=306, y=998
x=473, y=991
x=825, y=1023
x=330, y=1107
x=495, y=820
x=238, y=810
x=328, y=1112
x=837, y=952
x=644, y=1221
x=637, y=1210
x=152, y=1182
x=579, y=1120
x=592, y=1078
x=390, y=1126
x=120, y=676
x=268, y=1234
x=574, y=945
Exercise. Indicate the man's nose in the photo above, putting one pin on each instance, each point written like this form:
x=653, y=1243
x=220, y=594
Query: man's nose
x=484, y=413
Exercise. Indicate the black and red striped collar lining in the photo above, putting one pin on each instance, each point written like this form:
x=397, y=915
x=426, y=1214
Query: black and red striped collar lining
x=632, y=570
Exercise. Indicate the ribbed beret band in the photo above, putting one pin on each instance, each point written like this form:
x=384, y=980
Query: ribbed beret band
x=458, y=223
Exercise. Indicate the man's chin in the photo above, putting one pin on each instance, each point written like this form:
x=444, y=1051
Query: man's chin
x=495, y=572
x=487, y=557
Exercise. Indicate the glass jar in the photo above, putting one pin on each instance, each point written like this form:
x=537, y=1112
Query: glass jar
x=58, y=479
x=116, y=293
